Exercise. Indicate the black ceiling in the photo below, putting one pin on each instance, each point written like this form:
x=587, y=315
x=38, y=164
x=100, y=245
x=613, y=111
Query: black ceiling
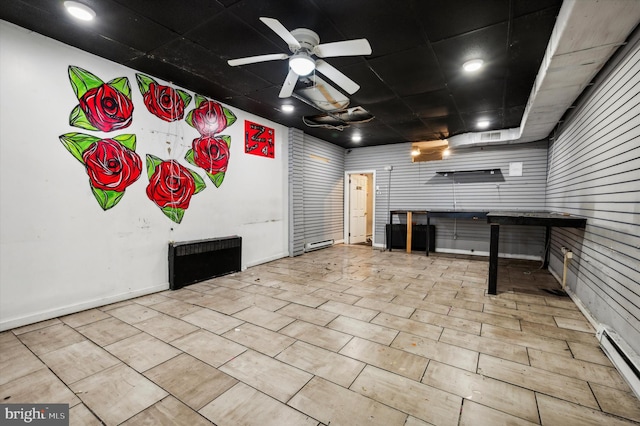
x=412, y=82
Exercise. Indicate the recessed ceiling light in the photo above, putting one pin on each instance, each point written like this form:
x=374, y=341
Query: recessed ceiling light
x=287, y=108
x=79, y=10
x=483, y=124
x=356, y=138
x=472, y=65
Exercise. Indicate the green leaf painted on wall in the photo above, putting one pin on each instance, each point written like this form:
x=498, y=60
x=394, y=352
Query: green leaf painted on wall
x=189, y=118
x=82, y=80
x=200, y=100
x=128, y=141
x=186, y=98
x=173, y=213
x=226, y=139
x=216, y=178
x=121, y=84
x=79, y=119
x=152, y=163
x=77, y=143
x=189, y=158
x=231, y=117
x=143, y=82
x=106, y=199
x=200, y=185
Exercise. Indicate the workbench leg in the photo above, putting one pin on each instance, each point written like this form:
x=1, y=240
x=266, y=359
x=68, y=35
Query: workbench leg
x=390, y=239
x=547, y=248
x=409, y=230
x=493, y=259
x=427, y=237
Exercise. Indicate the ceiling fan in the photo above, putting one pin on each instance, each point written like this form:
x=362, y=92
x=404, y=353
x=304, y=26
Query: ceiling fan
x=304, y=45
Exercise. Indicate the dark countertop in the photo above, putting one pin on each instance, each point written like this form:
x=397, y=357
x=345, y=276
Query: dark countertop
x=539, y=218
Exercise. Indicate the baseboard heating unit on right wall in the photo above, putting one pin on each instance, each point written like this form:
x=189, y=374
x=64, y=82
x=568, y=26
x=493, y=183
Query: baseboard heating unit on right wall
x=621, y=355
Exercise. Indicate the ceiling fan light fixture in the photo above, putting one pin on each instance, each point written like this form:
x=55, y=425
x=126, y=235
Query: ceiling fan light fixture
x=302, y=64
x=473, y=65
x=79, y=10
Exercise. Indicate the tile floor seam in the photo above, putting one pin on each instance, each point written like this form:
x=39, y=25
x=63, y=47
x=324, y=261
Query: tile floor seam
x=56, y=375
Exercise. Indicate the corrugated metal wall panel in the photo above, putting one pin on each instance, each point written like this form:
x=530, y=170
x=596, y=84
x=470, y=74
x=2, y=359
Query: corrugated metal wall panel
x=323, y=197
x=594, y=172
x=296, y=191
x=417, y=186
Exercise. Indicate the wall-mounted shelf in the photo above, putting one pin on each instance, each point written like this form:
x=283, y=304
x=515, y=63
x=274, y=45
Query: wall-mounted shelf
x=451, y=172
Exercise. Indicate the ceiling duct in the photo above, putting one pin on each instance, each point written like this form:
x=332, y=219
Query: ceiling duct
x=585, y=36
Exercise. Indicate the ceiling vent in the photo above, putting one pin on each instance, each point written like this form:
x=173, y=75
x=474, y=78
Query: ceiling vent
x=585, y=36
x=503, y=136
x=490, y=136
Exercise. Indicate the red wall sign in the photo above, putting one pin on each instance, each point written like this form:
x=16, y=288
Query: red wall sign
x=259, y=140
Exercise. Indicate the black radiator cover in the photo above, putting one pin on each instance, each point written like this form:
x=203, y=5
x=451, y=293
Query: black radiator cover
x=194, y=261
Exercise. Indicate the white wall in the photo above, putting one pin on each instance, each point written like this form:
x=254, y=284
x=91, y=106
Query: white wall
x=59, y=251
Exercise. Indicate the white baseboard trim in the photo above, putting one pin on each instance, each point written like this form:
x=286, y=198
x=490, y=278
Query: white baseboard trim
x=265, y=260
x=613, y=345
x=8, y=324
x=594, y=323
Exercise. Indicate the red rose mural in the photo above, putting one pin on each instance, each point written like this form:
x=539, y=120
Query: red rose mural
x=112, y=164
x=164, y=102
x=102, y=106
x=211, y=151
x=209, y=117
x=212, y=155
x=171, y=186
x=106, y=108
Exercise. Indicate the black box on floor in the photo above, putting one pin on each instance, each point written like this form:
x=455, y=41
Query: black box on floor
x=418, y=237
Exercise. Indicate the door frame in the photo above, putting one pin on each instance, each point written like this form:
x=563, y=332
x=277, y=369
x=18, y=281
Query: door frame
x=347, y=203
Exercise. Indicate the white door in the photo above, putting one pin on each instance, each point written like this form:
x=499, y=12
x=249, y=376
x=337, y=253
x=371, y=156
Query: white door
x=358, y=209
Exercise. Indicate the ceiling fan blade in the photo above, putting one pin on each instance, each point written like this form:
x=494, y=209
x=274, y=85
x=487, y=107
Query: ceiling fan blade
x=254, y=59
x=340, y=79
x=280, y=29
x=360, y=46
x=289, y=84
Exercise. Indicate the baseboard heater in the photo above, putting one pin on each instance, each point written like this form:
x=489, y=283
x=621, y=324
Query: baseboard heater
x=318, y=245
x=195, y=261
x=622, y=356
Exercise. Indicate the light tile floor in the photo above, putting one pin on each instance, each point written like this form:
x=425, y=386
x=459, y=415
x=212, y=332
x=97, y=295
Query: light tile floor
x=342, y=336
